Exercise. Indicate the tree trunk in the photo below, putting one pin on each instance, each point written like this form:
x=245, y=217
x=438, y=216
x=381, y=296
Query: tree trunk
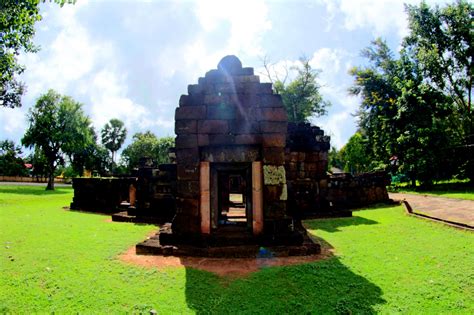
x=113, y=163
x=50, y=185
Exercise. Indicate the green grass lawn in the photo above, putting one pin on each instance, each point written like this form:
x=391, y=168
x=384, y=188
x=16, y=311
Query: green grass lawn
x=469, y=195
x=53, y=260
x=450, y=189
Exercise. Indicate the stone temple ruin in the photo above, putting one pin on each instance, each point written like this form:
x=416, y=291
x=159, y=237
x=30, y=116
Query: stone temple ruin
x=242, y=177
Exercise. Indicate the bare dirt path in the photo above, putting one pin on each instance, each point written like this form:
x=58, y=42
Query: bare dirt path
x=235, y=267
x=447, y=209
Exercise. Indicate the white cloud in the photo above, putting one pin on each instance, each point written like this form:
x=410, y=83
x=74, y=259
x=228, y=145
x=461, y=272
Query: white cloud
x=333, y=126
x=13, y=122
x=240, y=25
x=327, y=59
x=108, y=95
x=75, y=64
x=70, y=56
x=335, y=81
x=190, y=39
x=247, y=19
x=381, y=16
x=282, y=70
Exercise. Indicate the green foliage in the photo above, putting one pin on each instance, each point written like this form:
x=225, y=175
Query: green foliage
x=441, y=39
x=378, y=108
x=93, y=157
x=68, y=172
x=113, y=135
x=17, y=21
x=162, y=150
x=301, y=97
x=403, y=116
x=147, y=145
x=383, y=265
x=40, y=163
x=334, y=159
x=57, y=127
x=11, y=164
x=353, y=155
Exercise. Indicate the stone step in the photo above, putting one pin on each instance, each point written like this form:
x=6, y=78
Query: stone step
x=153, y=247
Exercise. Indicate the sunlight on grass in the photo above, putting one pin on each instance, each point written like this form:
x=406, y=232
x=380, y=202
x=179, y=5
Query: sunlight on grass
x=63, y=261
x=422, y=266
x=54, y=260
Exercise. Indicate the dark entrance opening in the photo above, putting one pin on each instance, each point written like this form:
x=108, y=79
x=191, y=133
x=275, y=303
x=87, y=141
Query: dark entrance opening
x=231, y=196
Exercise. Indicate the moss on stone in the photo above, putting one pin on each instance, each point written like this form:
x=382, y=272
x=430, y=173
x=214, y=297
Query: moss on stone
x=274, y=175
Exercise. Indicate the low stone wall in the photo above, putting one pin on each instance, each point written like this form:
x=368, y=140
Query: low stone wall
x=102, y=195
x=156, y=188
x=346, y=191
x=152, y=192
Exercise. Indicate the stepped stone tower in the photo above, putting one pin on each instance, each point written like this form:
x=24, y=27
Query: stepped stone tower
x=230, y=153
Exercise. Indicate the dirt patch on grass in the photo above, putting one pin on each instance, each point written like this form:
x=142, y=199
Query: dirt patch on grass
x=235, y=267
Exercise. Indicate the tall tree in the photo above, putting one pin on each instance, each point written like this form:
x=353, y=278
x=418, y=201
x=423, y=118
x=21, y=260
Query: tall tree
x=378, y=108
x=58, y=127
x=147, y=145
x=422, y=126
x=17, y=21
x=113, y=136
x=301, y=97
x=401, y=115
x=442, y=41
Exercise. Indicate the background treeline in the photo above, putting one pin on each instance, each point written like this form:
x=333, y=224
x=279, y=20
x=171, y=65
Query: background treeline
x=63, y=141
x=416, y=116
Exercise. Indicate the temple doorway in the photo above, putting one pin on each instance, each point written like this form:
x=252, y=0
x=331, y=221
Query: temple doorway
x=231, y=196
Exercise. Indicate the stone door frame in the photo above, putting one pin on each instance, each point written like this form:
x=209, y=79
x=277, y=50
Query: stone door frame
x=208, y=187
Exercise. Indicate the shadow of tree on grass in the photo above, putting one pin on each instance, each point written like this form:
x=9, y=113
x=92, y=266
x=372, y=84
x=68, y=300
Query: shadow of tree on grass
x=321, y=287
x=333, y=225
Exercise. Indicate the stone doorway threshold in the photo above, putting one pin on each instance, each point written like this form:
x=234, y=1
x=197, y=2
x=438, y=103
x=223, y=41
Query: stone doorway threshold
x=152, y=246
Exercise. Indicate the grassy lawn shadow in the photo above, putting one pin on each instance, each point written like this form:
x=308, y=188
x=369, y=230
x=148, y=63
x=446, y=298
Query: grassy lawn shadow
x=377, y=206
x=334, y=225
x=323, y=287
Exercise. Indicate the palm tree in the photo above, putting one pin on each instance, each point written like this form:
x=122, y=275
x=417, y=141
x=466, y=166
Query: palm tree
x=113, y=135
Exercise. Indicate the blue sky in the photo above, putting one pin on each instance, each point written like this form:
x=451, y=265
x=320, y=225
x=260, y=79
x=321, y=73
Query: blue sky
x=133, y=59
